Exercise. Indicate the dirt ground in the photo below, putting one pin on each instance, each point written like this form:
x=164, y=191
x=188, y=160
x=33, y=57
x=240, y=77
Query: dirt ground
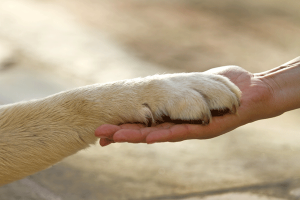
x=196, y=35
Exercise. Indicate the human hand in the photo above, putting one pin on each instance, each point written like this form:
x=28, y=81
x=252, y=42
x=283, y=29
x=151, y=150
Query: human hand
x=255, y=104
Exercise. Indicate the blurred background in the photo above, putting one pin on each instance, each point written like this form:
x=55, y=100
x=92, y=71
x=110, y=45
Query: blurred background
x=50, y=46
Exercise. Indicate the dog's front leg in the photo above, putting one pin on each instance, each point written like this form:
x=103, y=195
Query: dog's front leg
x=36, y=134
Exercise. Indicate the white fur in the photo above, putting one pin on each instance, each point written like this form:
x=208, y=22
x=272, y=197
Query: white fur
x=37, y=134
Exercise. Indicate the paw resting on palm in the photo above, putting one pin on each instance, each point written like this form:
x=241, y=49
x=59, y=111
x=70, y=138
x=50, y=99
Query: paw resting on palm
x=187, y=97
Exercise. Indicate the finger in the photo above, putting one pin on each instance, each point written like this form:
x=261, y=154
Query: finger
x=132, y=126
x=133, y=135
x=218, y=126
x=104, y=142
x=106, y=131
x=173, y=134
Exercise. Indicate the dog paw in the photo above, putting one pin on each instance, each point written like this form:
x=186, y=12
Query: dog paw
x=188, y=98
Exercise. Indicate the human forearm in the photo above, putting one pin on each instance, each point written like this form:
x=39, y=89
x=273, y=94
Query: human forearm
x=284, y=83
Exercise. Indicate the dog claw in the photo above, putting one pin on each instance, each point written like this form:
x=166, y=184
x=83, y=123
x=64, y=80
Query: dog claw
x=233, y=109
x=206, y=120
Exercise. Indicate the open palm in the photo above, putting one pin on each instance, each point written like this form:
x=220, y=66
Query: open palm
x=256, y=98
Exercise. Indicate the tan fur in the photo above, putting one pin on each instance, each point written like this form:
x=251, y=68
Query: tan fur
x=37, y=134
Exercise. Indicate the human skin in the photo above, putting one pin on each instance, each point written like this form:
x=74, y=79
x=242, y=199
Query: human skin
x=264, y=95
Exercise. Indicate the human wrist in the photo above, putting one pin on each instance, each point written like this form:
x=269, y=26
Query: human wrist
x=284, y=86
